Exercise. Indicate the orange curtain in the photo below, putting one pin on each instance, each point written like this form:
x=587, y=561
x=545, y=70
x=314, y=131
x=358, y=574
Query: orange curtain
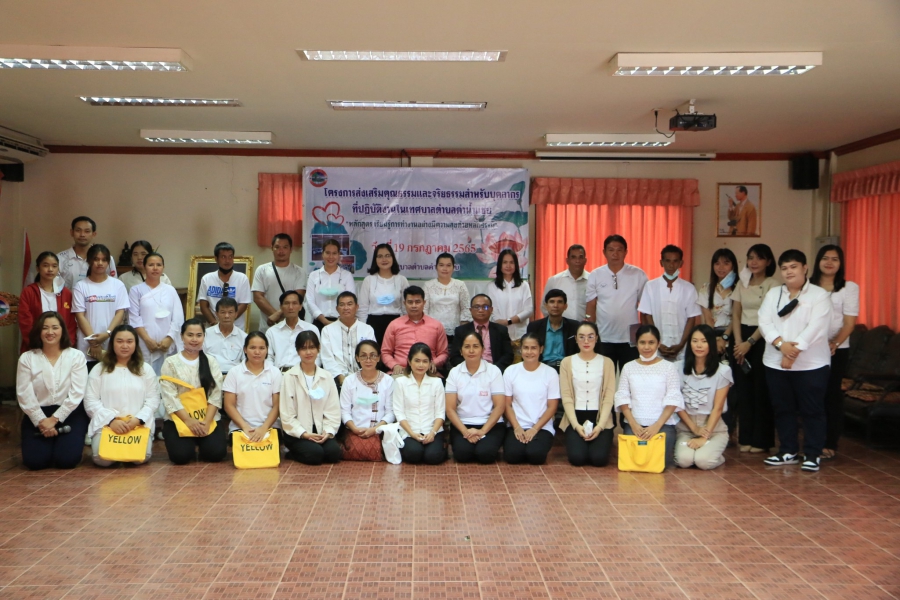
x=280, y=207
x=880, y=180
x=648, y=213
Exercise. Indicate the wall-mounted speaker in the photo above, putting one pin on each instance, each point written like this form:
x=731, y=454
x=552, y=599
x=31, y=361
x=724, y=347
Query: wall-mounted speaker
x=14, y=172
x=805, y=172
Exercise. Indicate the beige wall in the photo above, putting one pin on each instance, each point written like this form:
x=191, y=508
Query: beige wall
x=869, y=157
x=185, y=204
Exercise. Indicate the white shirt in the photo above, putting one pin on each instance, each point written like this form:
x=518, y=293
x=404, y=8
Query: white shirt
x=282, y=340
x=293, y=277
x=511, y=302
x=380, y=296
x=807, y=325
x=721, y=310
x=322, y=291
x=648, y=389
x=73, y=268
x=48, y=299
x=132, y=278
x=299, y=412
x=158, y=310
x=238, y=288
x=475, y=393
x=38, y=383
x=618, y=296
x=587, y=382
x=99, y=303
x=844, y=303
x=339, y=346
x=419, y=405
x=699, y=391
x=254, y=393
x=449, y=303
x=576, y=292
x=119, y=394
x=365, y=407
x=228, y=350
x=530, y=391
x=179, y=367
x=670, y=308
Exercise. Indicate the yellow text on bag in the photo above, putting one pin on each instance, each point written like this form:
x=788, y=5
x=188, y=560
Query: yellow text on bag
x=642, y=456
x=255, y=455
x=194, y=402
x=128, y=447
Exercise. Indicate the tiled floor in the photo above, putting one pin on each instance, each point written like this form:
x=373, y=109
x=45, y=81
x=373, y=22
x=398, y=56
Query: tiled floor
x=362, y=530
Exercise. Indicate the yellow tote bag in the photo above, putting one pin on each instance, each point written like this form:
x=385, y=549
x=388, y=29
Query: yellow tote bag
x=642, y=456
x=195, y=402
x=130, y=447
x=259, y=455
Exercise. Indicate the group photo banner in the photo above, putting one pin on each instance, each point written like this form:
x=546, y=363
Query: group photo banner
x=473, y=214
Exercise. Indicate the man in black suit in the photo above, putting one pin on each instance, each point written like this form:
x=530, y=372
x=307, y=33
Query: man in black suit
x=556, y=332
x=498, y=349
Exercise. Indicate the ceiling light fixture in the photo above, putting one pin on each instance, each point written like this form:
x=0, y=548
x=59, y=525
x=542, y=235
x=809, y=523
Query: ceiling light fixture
x=413, y=56
x=127, y=101
x=174, y=136
x=404, y=105
x=707, y=64
x=82, y=58
x=609, y=140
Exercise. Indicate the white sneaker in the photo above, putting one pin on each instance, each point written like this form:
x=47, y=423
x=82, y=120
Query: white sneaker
x=87, y=440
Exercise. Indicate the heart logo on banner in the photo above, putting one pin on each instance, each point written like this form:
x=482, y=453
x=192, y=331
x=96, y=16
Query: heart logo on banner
x=327, y=214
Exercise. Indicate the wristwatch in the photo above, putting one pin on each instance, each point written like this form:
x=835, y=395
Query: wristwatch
x=778, y=344
x=750, y=340
x=509, y=321
x=726, y=337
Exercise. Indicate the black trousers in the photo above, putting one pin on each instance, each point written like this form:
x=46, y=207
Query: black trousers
x=581, y=452
x=757, y=423
x=799, y=394
x=485, y=451
x=318, y=324
x=380, y=324
x=61, y=452
x=534, y=452
x=182, y=450
x=311, y=453
x=416, y=453
x=619, y=353
x=834, y=399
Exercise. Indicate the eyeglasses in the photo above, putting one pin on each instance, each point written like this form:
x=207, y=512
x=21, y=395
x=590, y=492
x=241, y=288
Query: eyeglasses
x=481, y=307
x=224, y=290
x=587, y=338
x=615, y=281
x=368, y=357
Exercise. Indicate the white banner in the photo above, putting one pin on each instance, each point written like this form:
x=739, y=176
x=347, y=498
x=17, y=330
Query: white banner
x=473, y=214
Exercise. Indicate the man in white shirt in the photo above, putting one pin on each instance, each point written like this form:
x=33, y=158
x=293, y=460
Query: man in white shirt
x=573, y=281
x=273, y=279
x=224, y=283
x=339, y=339
x=670, y=303
x=73, y=265
x=224, y=340
x=613, y=294
x=283, y=335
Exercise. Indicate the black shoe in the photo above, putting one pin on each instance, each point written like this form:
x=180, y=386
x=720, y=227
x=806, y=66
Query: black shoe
x=810, y=464
x=782, y=459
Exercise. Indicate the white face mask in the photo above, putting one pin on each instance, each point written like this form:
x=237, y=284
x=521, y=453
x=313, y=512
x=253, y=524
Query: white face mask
x=673, y=276
x=651, y=358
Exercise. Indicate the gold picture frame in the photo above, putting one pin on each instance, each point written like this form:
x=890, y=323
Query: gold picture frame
x=739, y=210
x=200, y=266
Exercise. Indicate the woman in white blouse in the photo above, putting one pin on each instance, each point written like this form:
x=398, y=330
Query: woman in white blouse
x=122, y=392
x=587, y=382
x=381, y=292
x=324, y=285
x=650, y=392
x=310, y=407
x=194, y=367
x=419, y=406
x=50, y=384
x=366, y=403
x=714, y=297
x=447, y=299
x=252, y=389
x=156, y=313
x=702, y=435
x=532, y=395
x=511, y=296
x=140, y=250
x=828, y=274
x=476, y=400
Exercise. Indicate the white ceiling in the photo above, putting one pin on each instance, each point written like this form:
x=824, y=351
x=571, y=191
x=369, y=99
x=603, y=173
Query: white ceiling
x=554, y=79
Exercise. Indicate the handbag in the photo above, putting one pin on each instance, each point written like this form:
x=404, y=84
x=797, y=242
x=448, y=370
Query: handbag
x=642, y=456
x=129, y=447
x=195, y=402
x=363, y=449
x=263, y=454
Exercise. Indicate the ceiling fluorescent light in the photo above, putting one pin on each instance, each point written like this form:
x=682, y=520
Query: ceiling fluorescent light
x=609, y=140
x=81, y=58
x=623, y=157
x=128, y=101
x=707, y=64
x=390, y=56
x=403, y=105
x=171, y=136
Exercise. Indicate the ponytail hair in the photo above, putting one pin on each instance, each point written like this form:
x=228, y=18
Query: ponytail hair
x=207, y=382
x=48, y=254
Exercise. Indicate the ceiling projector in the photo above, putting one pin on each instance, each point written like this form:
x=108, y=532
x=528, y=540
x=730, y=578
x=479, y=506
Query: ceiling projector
x=692, y=122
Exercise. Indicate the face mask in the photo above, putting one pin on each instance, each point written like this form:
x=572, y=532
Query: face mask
x=330, y=291
x=317, y=393
x=367, y=400
x=673, y=276
x=385, y=299
x=729, y=280
x=162, y=313
x=225, y=271
x=650, y=358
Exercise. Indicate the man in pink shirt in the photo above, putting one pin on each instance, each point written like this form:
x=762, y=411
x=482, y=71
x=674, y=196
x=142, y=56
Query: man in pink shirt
x=415, y=326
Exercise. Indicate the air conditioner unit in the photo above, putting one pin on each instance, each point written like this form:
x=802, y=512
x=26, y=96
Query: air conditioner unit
x=624, y=156
x=17, y=147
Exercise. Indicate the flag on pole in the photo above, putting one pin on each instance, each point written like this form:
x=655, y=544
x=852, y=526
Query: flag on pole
x=28, y=269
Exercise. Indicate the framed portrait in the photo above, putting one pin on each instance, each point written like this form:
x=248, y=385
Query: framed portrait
x=739, y=210
x=200, y=266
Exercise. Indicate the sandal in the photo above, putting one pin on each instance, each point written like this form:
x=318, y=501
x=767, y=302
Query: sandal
x=828, y=454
